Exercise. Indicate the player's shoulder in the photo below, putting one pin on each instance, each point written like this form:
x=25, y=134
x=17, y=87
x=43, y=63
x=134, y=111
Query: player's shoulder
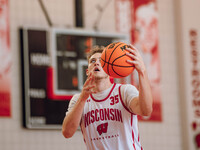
x=128, y=87
x=76, y=96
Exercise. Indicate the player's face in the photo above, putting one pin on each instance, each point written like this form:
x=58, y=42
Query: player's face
x=94, y=66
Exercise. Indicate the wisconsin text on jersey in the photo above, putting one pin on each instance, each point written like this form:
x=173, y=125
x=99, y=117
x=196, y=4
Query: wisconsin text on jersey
x=103, y=114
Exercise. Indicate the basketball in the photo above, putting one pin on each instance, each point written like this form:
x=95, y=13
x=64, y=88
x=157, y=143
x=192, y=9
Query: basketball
x=113, y=60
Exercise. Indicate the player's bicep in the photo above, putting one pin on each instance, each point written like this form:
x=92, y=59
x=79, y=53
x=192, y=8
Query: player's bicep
x=135, y=107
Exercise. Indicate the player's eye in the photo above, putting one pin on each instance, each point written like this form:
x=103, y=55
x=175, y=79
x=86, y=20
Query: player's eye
x=93, y=61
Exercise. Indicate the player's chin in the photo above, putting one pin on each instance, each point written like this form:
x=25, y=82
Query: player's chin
x=101, y=76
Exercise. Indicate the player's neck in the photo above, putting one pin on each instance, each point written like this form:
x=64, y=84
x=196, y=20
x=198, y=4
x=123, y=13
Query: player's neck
x=103, y=84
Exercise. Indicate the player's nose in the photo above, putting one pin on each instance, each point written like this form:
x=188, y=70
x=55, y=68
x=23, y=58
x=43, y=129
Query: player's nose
x=97, y=62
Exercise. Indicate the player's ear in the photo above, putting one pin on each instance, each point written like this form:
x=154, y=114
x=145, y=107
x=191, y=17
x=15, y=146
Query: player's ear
x=87, y=72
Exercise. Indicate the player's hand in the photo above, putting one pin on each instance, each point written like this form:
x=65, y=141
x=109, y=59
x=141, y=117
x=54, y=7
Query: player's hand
x=137, y=60
x=88, y=87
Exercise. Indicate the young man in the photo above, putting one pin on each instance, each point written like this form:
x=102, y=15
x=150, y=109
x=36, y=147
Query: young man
x=106, y=112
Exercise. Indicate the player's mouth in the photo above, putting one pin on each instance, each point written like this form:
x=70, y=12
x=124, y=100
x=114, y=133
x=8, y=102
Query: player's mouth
x=96, y=69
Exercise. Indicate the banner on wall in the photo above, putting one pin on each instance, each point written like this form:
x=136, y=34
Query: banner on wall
x=139, y=19
x=193, y=104
x=5, y=61
x=188, y=32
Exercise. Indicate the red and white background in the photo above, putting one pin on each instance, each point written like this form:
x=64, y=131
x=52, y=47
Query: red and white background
x=5, y=61
x=139, y=19
x=189, y=50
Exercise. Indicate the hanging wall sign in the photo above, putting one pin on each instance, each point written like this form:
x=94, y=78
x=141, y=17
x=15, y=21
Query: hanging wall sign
x=188, y=35
x=5, y=61
x=139, y=19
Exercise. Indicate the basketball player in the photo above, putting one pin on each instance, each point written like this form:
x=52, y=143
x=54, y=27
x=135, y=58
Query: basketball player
x=107, y=113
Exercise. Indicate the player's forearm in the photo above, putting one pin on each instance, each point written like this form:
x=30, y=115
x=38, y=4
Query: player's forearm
x=72, y=119
x=145, y=95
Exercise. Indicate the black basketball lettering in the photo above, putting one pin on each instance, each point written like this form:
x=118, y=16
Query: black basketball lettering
x=111, y=46
x=123, y=47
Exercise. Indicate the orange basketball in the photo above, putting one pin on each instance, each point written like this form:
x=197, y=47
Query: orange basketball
x=113, y=60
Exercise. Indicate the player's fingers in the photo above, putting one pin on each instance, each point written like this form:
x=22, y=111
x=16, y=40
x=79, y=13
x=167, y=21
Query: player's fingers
x=93, y=80
x=130, y=50
x=92, y=83
x=134, y=48
x=132, y=62
x=87, y=81
x=89, y=78
x=89, y=87
x=132, y=56
x=137, y=55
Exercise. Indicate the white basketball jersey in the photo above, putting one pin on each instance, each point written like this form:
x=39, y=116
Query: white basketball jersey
x=107, y=124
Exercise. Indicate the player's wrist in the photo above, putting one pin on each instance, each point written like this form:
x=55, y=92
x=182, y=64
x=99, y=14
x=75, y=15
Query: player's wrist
x=142, y=72
x=83, y=97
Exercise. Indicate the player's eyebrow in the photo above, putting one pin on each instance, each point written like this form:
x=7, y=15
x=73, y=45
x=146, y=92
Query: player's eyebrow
x=94, y=58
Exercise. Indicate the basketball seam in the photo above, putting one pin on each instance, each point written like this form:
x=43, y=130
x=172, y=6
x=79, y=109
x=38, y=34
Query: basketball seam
x=117, y=73
x=105, y=58
x=111, y=55
x=115, y=64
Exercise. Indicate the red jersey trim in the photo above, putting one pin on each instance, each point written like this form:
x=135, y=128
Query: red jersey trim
x=133, y=137
x=139, y=140
x=104, y=98
x=123, y=102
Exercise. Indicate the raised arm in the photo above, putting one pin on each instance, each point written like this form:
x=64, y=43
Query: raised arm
x=73, y=117
x=141, y=105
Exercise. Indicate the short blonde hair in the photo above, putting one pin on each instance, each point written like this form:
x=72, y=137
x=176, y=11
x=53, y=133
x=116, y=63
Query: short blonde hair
x=95, y=49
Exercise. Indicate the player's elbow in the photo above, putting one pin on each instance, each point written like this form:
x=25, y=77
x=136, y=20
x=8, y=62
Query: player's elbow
x=147, y=111
x=147, y=114
x=67, y=133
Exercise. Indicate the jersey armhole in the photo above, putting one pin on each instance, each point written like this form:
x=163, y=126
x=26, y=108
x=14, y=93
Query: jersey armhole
x=120, y=96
